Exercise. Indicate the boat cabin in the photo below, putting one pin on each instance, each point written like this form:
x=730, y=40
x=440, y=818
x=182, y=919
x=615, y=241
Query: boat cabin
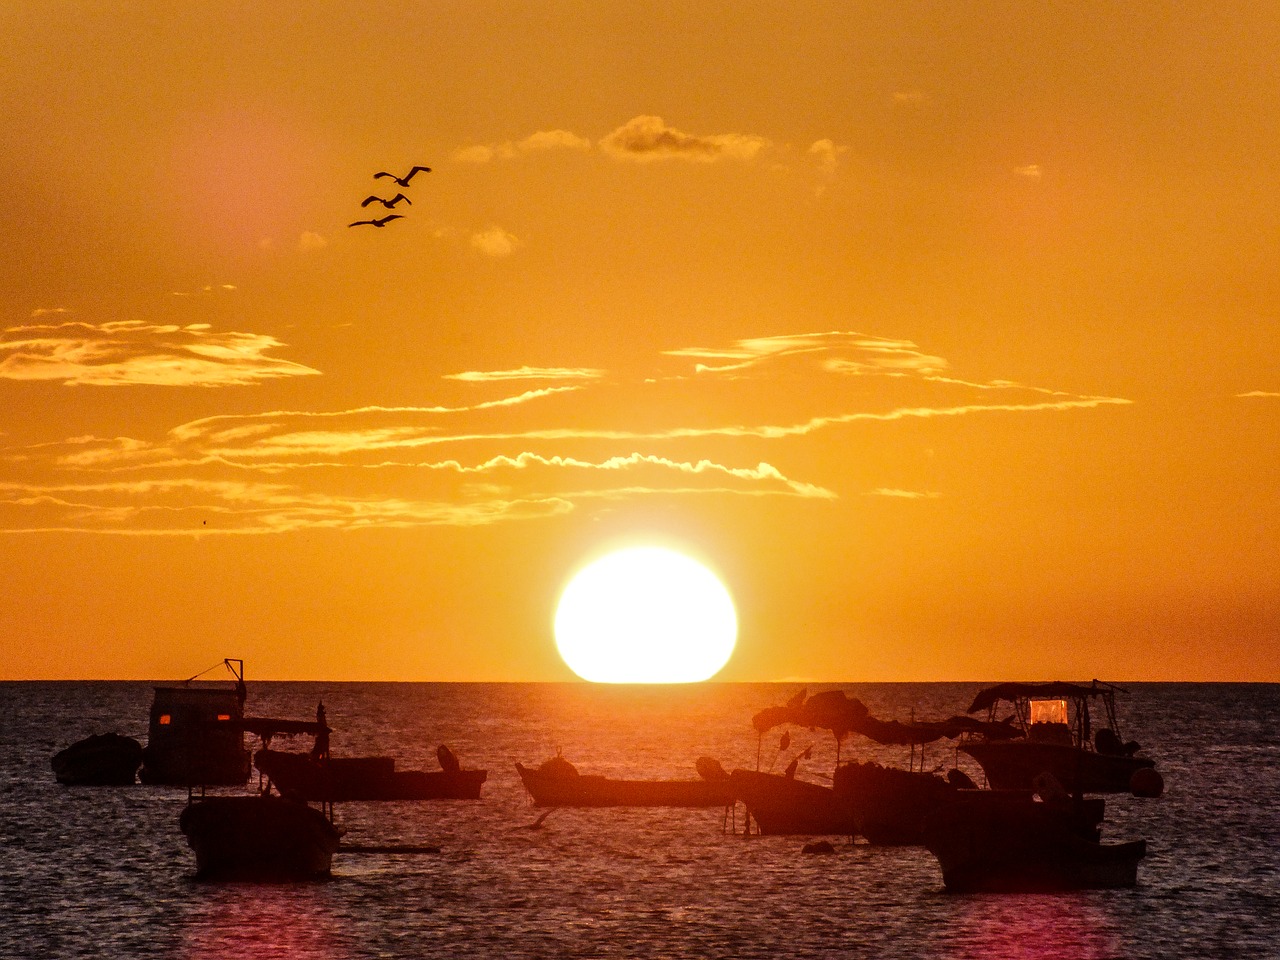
x=195, y=735
x=1048, y=722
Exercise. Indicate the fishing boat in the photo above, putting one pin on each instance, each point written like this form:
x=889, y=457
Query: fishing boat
x=557, y=783
x=101, y=760
x=259, y=837
x=1059, y=734
x=1002, y=841
x=367, y=778
x=782, y=805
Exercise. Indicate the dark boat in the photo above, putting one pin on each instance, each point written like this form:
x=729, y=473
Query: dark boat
x=782, y=805
x=557, y=783
x=1012, y=842
x=194, y=737
x=889, y=805
x=102, y=760
x=263, y=837
x=367, y=778
x=1059, y=735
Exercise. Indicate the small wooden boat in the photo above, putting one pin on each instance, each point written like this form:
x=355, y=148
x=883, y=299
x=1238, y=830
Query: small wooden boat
x=783, y=805
x=557, y=783
x=1011, y=842
x=102, y=760
x=367, y=778
x=890, y=805
x=263, y=837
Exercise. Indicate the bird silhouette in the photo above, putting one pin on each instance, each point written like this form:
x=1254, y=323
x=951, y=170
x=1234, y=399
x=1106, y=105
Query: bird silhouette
x=389, y=204
x=403, y=181
x=381, y=222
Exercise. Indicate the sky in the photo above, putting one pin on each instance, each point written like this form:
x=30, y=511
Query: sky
x=944, y=334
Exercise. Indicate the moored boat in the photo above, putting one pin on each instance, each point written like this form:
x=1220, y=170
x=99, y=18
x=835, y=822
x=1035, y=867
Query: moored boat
x=101, y=760
x=263, y=837
x=1060, y=736
x=557, y=783
x=1012, y=842
x=366, y=778
x=783, y=805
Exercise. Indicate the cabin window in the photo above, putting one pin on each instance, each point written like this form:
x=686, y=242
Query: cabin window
x=224, y=716
x=165, y=719
x=1048, y=711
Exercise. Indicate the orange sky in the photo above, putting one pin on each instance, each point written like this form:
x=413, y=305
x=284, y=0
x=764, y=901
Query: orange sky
x=946, y=334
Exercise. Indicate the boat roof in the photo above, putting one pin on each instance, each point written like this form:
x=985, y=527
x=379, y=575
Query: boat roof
x=1020, y=691
x=267, y=727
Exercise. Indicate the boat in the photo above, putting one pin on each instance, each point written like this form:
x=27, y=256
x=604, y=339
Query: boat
x=781, y=805
x=259, y=837
x=1060, y=735
x=557, y=783
x=889, y=805
x=101, y=760
x=193, y=736
x=1010, y=841
x=367, y=778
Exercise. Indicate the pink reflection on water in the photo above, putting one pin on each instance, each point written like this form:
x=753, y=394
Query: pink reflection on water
x=1033, y=927
x=263, y=921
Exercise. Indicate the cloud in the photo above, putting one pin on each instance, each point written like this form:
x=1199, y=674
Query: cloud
x=1030, y=171
x=311, y=241
x=586, y=436
x=130, y=353
x=828, y=155
x=495, y=242
x=1259, y=393
x=48, y=312
x=543, y=141
x=529, y=373
x=647, y=138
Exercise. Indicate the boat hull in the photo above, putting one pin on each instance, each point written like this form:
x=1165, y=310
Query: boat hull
x=1011, y=844
x=258, y=838
x=595, y=791
x=1014, y=765
x=890, y=806
x=364, y=779
x=783, y=806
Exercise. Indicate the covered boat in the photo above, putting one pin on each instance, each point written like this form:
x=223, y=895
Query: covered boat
x=101, y=760
x=557, y=783
x=1014, y=842
x=263, y=837
x=1060, y=736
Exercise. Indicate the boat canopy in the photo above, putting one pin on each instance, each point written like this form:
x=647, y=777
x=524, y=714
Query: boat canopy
x=1019, y=691
x=843, y=715
x=268, y=727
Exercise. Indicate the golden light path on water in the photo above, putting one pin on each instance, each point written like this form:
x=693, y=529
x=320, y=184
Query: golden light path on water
x=645, y=615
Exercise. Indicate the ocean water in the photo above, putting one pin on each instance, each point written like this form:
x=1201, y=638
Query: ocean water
x=105, y=872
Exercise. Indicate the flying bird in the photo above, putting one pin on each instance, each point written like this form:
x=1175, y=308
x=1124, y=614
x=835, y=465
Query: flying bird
x=403, y=181
x=389, y=204
x=382, y=222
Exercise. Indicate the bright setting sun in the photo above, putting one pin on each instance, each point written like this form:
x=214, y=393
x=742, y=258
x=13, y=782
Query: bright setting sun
x=645, y=615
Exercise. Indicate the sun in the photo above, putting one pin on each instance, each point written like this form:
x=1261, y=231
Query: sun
x=645, y=615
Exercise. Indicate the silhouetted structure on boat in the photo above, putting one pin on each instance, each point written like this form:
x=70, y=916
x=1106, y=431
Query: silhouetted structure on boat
x=1059, y=735
x=557, y=783
x=101, y=760
x=195, y=735
x=1011, y=841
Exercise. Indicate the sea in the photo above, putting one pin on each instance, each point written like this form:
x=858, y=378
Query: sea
x=105, y=871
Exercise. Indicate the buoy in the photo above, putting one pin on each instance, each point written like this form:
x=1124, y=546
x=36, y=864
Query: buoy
x=1146, y=782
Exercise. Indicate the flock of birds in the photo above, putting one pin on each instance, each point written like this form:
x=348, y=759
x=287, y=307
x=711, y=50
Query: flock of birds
x=390, y=204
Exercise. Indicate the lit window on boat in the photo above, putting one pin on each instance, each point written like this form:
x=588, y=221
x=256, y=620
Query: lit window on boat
x=164, y=719
x=1048, y=711
x=224, y=716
